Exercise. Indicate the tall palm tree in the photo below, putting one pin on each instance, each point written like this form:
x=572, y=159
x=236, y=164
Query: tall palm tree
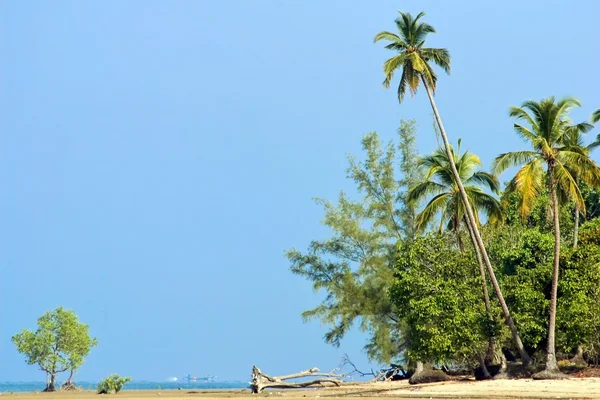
x=546, y=129
x=414, y=60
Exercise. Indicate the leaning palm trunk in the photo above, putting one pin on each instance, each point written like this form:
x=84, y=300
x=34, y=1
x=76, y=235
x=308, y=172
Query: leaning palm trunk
x=576, y=227
x=486, y=296
x=551, y=351
x=471, y=221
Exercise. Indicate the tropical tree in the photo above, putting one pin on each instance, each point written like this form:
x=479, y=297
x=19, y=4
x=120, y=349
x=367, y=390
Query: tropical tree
x=440, y=183
x=546, y=129
x=596, y=116
x=59, y=344
x=414, y=60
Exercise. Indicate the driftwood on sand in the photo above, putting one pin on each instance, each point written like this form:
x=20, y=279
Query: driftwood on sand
x=262, y=381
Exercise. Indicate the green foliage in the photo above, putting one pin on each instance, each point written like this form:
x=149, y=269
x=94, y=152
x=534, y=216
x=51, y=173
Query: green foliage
x=591, y=196
x=112, y=384
x=433, y=292
x=354, y=267
x=540, y=215
x=524, y=257
x=578, y=314
x=59, y=344
x=411, y=175
x=589, y=233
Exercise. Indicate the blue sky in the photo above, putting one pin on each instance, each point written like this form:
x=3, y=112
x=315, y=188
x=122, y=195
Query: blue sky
x=157, y=158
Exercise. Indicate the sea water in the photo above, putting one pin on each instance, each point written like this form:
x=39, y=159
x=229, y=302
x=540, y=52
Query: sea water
x=8, y=387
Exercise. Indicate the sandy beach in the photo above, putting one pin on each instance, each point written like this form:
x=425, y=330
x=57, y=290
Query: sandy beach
x=588, y=388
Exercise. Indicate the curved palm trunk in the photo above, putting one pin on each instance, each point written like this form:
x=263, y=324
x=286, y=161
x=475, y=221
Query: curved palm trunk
x=576, y=227
x=471, y=221
x=551, y=350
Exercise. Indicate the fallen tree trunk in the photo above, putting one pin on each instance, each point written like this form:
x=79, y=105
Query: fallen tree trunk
x=262, y=381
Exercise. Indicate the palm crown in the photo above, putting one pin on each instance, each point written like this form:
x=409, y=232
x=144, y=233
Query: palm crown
x=556, y=143
x=412, y=57
x=441, y=184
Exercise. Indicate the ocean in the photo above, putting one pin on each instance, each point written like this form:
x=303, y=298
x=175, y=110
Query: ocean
x=8, y=387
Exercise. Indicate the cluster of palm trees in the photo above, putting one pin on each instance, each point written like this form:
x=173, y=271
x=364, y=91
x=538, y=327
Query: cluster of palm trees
x=557, y=159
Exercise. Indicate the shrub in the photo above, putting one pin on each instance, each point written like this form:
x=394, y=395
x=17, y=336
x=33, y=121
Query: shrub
x=112, y=384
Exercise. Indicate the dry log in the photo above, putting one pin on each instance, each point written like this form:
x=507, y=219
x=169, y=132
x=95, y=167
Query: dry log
x=262, y=381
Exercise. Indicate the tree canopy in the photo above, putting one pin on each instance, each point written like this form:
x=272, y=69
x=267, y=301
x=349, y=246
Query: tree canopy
x=60, y=343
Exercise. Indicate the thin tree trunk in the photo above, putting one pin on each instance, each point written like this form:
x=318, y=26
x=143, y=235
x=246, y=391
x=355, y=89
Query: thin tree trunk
x=484, y=370
x=69, y=381
x=486, y=295
x=576, y=227
x=471, y=220
x=551, y=351
x=461, y=246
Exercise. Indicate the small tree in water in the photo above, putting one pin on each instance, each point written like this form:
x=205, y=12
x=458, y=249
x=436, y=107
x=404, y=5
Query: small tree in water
x=59, y=344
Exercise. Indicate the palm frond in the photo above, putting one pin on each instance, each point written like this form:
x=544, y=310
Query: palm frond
x=528, y=184
x=486, y=179
x=512, y=159
x=525, y=133
x=568, y=184
x=467, y=164
x=429, y=76
x=581, y=166
x=435, y=205
x=482, y=201
x=440, y=57
x=595, y=143
x=390, y=66
x=520, y=113
x=390, y=37
x=424, y=189
x=595, y=116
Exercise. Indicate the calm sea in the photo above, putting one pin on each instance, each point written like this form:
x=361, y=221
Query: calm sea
x=7, y=387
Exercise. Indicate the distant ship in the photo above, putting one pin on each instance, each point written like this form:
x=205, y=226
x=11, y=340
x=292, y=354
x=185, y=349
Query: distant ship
x=199, y=379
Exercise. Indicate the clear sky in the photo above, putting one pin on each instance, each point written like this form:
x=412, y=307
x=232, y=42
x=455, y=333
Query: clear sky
x=158, y=157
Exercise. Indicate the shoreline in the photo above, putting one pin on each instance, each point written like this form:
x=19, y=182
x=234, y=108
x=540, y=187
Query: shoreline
x=574, y=388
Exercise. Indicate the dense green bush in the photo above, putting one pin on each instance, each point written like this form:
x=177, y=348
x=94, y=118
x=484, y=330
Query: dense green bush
x=112, y=384
x=438, y=291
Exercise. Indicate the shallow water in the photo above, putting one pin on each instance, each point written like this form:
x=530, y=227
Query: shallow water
x=7, y=387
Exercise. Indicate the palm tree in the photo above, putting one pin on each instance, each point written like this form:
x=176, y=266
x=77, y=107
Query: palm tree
x=547, y=131
x=440, y=183
x=414, y=60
